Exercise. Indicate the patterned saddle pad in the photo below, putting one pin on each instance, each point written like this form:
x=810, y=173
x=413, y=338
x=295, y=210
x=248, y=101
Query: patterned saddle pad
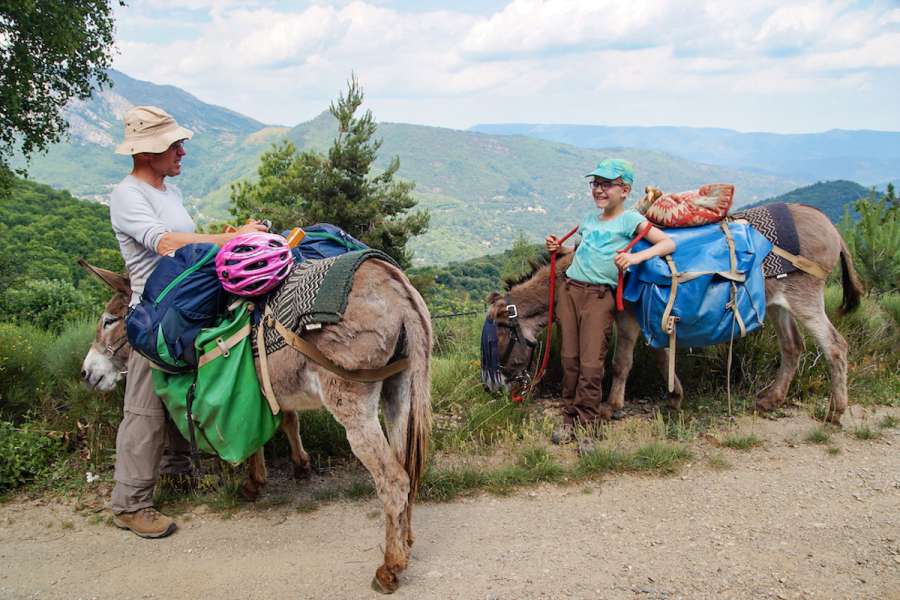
x=314, y=294
x=776, y=223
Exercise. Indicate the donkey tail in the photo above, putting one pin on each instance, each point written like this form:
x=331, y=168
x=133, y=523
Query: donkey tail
x=853, y=287
x=417, y=323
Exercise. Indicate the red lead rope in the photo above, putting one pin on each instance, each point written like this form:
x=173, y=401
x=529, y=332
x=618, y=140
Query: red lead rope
x=619, y=303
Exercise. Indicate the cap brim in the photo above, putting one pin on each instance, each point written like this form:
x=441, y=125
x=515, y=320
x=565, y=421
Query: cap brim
x=155, y=144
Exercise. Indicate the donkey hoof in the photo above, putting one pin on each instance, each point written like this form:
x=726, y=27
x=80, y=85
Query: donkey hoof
x=303, y=471
x=834, y=417
x=249, y=491
x=384, y=581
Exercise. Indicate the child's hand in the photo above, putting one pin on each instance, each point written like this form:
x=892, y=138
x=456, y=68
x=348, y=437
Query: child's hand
x=624, y=260
x=552, y=243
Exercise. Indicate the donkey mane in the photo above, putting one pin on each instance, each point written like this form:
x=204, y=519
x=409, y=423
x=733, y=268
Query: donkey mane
x=534, y=265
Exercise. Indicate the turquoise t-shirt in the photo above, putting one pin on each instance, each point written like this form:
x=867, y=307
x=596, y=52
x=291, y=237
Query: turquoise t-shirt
x=593, y=262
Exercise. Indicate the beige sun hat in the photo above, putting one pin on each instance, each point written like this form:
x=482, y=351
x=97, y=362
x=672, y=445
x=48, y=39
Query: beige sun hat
x=150, y=129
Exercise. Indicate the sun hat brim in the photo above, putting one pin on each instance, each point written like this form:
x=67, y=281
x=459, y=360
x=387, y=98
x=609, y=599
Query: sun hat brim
x=154, y=141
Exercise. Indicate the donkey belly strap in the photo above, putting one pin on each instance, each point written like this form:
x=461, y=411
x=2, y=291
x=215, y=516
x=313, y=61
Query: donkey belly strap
x=776, y=223
x=315, y=293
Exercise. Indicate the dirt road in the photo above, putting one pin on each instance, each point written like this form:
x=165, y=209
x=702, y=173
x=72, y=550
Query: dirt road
x=788, y=520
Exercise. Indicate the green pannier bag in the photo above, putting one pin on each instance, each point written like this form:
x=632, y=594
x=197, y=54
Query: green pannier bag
x=231, y=416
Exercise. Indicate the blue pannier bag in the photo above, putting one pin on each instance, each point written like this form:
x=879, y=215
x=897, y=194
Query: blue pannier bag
x=324, y=240
x=711, y=290
x=181, y=296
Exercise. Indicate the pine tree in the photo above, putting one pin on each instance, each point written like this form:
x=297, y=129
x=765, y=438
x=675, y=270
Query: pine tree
x=338, y=188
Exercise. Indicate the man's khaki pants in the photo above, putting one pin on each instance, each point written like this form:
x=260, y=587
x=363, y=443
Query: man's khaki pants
x=586, y=314
x=144, y=436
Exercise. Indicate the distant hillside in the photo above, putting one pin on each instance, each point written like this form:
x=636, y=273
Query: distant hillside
x=870, y=157
x=831, y=197
x=481, y=189
x=44, y=231
x=87, y=165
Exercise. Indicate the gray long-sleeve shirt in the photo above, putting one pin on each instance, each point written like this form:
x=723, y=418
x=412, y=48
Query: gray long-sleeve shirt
x=140, y=215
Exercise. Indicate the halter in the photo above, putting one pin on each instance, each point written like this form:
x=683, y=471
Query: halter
x=113, y=348
x=517, y=336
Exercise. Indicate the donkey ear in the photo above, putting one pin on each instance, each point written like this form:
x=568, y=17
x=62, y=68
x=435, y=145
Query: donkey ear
x=493, y=297
x=116, y=282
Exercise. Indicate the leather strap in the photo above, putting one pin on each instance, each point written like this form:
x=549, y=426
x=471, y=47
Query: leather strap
x=225, y=345
x=316, y=356
x=268, y=392
x=804, y=264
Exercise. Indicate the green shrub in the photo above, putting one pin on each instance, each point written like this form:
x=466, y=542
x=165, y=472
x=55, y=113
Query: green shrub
x=46, y=303
x=875, y=242
x=64, y=355
x=23, y=374
x=25, y=454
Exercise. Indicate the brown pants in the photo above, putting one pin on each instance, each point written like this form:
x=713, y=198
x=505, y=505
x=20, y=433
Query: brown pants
x=147, y=443
x=586, y=314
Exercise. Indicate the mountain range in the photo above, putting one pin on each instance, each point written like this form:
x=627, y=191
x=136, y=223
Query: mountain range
x=481, y=189
x=867, y=157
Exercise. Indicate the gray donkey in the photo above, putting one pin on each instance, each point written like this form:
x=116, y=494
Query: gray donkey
x=383, y=309
x=797, y=297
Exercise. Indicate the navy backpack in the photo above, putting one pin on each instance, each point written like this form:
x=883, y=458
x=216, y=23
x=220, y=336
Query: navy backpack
x=181, y=296
x=324, y=240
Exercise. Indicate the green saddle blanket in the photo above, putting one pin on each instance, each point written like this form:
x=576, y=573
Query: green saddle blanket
x=230, y=415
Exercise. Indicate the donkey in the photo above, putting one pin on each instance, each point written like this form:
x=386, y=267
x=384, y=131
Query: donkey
x=384, y=313
x=797, y=297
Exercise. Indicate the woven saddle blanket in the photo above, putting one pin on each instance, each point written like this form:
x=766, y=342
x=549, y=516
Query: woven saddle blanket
x=776, y=223
x=314, y=294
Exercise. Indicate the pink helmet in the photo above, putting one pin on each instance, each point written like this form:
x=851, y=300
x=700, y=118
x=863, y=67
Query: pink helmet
x=252, y=264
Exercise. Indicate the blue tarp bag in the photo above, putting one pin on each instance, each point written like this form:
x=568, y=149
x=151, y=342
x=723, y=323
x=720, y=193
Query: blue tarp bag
x=711, y=290
x=181, y=296
x=324, y=240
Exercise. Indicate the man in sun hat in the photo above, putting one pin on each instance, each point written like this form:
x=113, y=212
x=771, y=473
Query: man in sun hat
x=149, y=220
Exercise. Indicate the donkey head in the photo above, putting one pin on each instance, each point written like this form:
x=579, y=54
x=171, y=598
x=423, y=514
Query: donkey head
x=507, y=344
x=105, y=362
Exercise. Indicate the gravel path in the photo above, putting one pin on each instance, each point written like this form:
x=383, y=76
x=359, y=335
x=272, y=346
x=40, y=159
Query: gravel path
x=787, y=520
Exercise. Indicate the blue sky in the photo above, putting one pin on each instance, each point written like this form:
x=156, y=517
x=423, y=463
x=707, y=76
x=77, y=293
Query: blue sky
x=761, y=65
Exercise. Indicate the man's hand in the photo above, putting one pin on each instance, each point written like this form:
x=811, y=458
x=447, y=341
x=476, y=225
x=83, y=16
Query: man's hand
x=552, y=243
x=251, y=227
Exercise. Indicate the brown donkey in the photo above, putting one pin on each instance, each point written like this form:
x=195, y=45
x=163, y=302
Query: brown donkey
x=797, y=297
x=384, y=314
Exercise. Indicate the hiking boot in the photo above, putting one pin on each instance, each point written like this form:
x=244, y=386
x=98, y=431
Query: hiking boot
x=146, y=522
x=563, y=435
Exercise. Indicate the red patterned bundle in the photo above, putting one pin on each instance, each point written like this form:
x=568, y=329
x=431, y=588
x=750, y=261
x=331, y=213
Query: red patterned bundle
x=709, y=204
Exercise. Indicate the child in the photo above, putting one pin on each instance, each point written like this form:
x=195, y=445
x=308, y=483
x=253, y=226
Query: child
x=586, y=300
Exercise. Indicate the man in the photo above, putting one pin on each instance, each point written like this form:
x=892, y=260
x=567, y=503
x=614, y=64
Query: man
x=149, y=220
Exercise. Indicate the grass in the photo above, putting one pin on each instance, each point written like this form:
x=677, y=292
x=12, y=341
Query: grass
x=889, y=422
x=718, y=462
x=818, y=435
x=737, y=441
x=864, y=432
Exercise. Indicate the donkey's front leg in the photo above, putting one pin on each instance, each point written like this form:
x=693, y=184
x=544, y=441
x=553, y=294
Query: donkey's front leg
x=627, y=332
x=256, y=476
x=290, y=425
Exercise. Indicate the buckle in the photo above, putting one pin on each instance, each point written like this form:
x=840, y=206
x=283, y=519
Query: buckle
x=511, y=311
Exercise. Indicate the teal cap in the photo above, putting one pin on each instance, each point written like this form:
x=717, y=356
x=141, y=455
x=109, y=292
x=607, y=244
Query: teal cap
x=614, y=168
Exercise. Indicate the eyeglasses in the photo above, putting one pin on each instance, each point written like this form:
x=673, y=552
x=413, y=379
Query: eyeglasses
x=176, y=146
x=604, y=185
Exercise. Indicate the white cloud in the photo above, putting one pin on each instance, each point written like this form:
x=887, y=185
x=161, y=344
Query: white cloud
x=535, y=60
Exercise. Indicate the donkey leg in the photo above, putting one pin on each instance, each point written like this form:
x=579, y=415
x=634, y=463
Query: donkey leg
x=355, y=406
x=627, y=332
x=256, y=476
x=834, y=346
x=674, y=397
x=290, y=425
x=395, y=393
x=790, y=341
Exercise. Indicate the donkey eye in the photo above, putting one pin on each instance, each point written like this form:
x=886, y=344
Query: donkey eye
x=108, y=322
